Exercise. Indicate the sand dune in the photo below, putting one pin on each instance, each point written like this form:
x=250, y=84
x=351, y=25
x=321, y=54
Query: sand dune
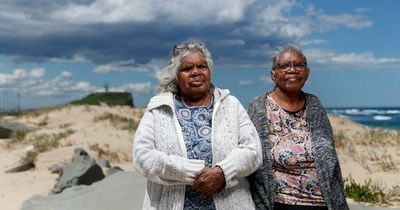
x=107, y=131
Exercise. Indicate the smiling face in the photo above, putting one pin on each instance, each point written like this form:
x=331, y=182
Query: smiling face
x=288, y=76
x=194, y=76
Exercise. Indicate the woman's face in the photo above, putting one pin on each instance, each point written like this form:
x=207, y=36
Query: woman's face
x=194, y=76
x=291, y=72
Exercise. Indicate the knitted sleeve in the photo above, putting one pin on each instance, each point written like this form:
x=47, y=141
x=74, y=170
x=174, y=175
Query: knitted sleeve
x=156, y=165
x=246, y=157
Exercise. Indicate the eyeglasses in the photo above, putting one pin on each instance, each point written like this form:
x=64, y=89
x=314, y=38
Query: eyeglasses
x=285, y=67
x=190, y=44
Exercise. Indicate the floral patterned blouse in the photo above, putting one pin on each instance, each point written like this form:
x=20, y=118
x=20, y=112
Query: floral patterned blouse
x=195, y=122
x=293, y=162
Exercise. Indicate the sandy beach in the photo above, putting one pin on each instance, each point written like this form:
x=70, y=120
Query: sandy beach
x=107, y=132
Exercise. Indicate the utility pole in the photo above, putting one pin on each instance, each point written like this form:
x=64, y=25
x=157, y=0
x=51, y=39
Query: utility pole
x=19, y=103
x=106, y=87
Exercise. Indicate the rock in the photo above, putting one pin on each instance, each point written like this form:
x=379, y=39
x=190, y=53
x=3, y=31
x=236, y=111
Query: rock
x=23, y=167
x=5, y=133
x=9, y=128
x=56, y=168
x=121, y=191
x=81, y=171
x=104, y=163
x=114, y=170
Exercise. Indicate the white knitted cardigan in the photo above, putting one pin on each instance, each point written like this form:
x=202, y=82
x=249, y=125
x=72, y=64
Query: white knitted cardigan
x=160, y=153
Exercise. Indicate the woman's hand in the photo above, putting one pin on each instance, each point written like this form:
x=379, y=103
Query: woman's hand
x=209, y=181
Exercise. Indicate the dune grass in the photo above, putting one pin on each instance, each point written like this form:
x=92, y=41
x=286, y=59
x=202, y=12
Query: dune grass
x=120, y=122
x=16, y=138
x=375, y=149
x=106, y=152
x=41, y=142
x=30, y=156
x=368, y=192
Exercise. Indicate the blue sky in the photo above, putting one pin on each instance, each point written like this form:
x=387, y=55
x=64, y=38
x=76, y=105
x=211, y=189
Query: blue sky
x=52, y=52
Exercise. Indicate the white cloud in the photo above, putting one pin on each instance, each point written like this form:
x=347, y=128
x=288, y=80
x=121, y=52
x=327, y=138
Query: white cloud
x=334, y=60
x=66, y=74
x=37, y=73
x=275, y=19
x=129, y=65
x=21, y=76
x=136, y=88
x=246, y=82
x=268, y=18
x=178, y=11
x=74, y=59
x=144, y=87
x=313, y=42
x=361, y=9
x=348, y=20
x=32, y=82
x=325, y=21
x=3, y=79
x=20, y=73
x=108, y=31
x=83, y=86
x=266, y=80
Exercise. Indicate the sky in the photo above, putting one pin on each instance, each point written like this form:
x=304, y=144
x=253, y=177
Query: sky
x=52, y=52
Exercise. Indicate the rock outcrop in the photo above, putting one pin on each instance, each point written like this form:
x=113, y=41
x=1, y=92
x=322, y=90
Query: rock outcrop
x=83, y=170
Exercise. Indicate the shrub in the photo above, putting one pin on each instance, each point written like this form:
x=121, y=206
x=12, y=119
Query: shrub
x=369, y=192
x=17, y=137
x=30, y=156
x=105, y=152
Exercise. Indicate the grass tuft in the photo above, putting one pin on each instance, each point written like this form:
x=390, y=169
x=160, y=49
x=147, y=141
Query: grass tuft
x=105, y=151
x=368, y=192
x=118, y=121
x=30, y=156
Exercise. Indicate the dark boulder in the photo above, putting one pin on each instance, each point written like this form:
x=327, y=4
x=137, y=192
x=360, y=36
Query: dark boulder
x=83, y=170
x=22, y=167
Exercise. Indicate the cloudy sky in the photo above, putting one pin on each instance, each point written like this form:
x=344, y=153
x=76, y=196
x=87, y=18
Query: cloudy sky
x=52, y=52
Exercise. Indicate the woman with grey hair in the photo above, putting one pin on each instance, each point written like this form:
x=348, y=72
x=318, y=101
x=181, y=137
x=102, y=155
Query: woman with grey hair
x=300, y=168
x=195, y=143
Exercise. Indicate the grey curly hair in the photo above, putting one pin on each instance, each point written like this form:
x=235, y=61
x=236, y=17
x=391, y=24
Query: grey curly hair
x=168, y=76
x=280, y=50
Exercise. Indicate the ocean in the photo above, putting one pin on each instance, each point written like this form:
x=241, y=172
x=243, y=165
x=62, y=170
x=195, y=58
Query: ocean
x=388, y=117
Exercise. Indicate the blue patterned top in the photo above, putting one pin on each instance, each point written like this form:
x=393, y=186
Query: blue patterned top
x=195, y=122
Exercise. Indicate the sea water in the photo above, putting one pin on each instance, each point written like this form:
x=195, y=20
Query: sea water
x=377, y=117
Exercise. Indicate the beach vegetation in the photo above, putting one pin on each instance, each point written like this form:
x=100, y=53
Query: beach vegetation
x=64, y=125
x=109, y=98
x=105, y=151
x=394, y=194
x=45, y=142
x=374, y=148
x=340, y=139
x=41, y=142
x=30, y=156
x=368, y=192
x=118, y=121
x=42, y=111
x=43, y=122
x=87, y=108
x=17, y=137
